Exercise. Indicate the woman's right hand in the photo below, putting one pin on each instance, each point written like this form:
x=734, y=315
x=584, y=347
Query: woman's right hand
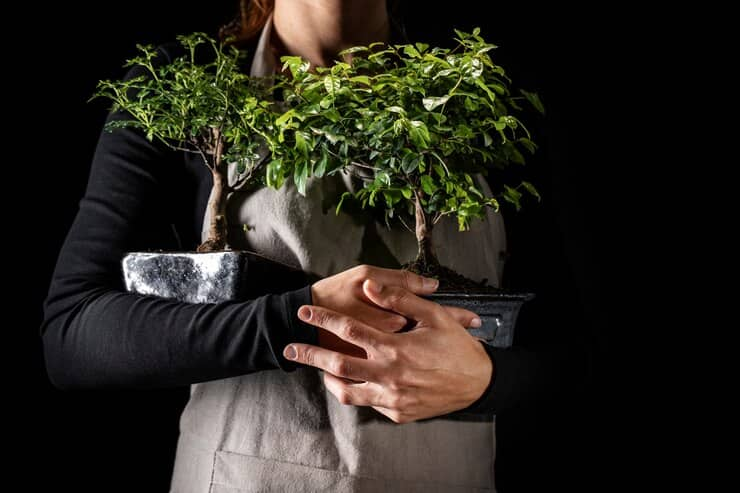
x=343, y=293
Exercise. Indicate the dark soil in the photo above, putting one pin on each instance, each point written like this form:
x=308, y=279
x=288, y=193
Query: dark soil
x=449, y=280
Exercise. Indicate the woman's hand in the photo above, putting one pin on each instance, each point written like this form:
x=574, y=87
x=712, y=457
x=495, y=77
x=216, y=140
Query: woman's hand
x=434, y=369
x=343, y=293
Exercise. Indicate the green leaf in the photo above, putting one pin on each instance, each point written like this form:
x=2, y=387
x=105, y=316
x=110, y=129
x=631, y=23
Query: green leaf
x=301, y=145
x=439, y=170
x=419, y=134
x=285, y=117
x=409, y=163
x=531, y=189
x=383, y=178
x=332, y=84
x=433, y=102
x=513, y=196
x=411, y=51
x=534, y=100
x=407, y=193
x=491, y=95
x=471, y=104
x=354, y=49
x=362, y=79
x=528, y=144
x=295, y=64
x=345, y=195
x=320, y=168
x=301, y=176
x=274, y=174
x=427, y=184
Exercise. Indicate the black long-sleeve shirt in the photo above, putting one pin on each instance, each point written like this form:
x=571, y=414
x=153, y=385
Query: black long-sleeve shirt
x=144, y=196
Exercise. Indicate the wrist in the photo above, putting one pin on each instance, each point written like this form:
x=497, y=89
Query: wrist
x=485, y=375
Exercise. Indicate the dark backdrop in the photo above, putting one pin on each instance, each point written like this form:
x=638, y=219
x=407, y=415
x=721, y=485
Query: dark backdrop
x=123, y=441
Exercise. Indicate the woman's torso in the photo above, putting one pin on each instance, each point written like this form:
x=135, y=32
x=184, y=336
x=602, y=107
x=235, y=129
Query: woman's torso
x=277, y=431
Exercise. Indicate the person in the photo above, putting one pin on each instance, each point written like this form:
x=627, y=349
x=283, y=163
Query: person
x=398, y=411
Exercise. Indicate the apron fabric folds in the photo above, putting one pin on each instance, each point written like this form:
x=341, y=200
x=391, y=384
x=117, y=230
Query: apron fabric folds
x=274, y=431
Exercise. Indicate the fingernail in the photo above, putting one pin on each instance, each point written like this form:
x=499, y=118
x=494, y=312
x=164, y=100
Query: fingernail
x=290, y=353
x=304, y=313
x=430, y=283
x=475, y=323
x=373, y=287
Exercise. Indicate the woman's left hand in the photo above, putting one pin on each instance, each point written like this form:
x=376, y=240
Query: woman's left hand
x=434, y=369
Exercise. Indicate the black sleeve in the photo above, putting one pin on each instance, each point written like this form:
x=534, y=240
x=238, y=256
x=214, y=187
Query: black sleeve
x=553, y=347
x=95, y=334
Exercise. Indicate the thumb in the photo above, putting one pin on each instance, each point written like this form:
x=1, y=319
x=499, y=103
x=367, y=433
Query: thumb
x=466, y=318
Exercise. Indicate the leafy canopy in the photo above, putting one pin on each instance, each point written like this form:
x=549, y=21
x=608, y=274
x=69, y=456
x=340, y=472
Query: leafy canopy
x=413, y=122
x=213, y=109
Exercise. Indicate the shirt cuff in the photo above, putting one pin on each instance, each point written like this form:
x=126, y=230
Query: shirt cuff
x=483, y=405
x=502, y=388
x=298, y=330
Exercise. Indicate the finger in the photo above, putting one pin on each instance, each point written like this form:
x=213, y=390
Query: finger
x=393, y=415
x=399, y=300
x=338, y=364
x=401, y=278
x=342, y=326
x=351, y=393
x=466, y=318
x=378, y=318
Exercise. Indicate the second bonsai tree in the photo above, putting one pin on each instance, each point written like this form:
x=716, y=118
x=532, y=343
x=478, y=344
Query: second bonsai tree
x=415, y=124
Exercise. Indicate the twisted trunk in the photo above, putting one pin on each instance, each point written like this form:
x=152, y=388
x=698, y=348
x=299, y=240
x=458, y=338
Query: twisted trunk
x=216, y=239
x=426, y=260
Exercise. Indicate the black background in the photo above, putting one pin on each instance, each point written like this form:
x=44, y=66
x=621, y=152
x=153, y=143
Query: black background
x=122, y=441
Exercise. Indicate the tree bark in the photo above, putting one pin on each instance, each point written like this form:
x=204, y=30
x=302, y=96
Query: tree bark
x=217, y=227
x=426, y=257
x=216, y=239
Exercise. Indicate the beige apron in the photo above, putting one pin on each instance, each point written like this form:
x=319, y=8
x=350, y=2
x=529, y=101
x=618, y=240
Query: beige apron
x=274, y=431
x=283, y=432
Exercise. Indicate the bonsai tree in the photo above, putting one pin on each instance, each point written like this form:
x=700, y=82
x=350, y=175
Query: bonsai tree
x=211, y=109
x=415, y=124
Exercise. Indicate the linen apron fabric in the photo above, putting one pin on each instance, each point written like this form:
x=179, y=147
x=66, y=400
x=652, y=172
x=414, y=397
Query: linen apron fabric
x=274, y=431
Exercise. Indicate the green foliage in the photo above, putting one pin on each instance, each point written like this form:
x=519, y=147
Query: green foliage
x=413, y=122
x=213, y=109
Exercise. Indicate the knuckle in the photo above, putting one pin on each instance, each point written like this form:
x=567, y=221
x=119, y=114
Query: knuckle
x=403, y=379
x=395, y=400
x=394, y=384
x=307, y=357
x=363, y=270
x=340, y=367
x=396, y=298
x=344, y=397
x=350, y=331
x=407, y=279
x=392, y=354
x=398, y=322
x=320, y=317
x=410, y=401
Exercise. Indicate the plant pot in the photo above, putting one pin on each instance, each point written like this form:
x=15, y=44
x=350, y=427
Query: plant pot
x=236, y=275
x=209, y=277
x=498, y=313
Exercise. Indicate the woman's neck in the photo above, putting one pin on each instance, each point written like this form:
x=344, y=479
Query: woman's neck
x=319, y=29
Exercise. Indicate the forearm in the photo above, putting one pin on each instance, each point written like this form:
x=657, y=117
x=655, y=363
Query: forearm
x=114, y=339
x=527, y=375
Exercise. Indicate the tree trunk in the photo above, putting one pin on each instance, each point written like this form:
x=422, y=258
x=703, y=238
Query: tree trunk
x=426, y=257
x=217, y=240
x=217, y=227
